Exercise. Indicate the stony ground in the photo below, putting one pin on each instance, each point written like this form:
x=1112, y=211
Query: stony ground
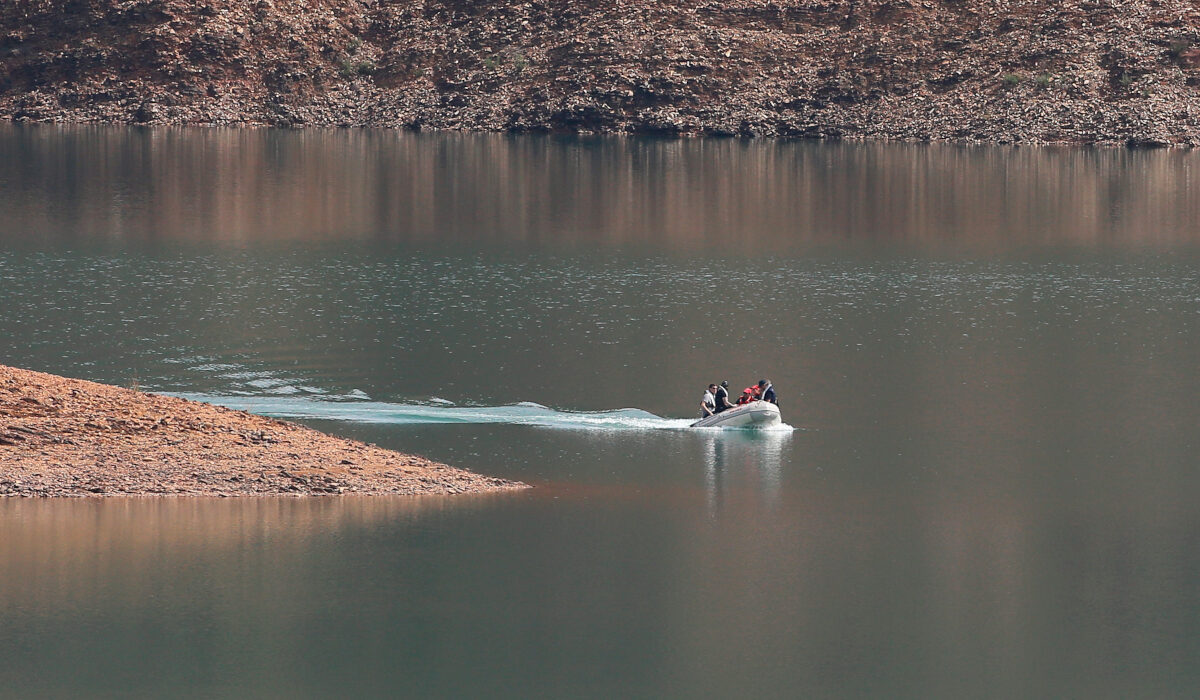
x=68, y=437
x=995, y=71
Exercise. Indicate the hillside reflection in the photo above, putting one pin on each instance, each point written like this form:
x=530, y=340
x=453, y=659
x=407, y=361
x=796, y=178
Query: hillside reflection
x=1006, y=578
x=731, y=195
x=56, y=553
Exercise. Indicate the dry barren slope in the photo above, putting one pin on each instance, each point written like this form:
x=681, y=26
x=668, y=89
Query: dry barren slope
x=1027, y=71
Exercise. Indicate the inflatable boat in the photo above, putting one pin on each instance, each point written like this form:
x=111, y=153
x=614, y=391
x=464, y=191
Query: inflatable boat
x=756, y=414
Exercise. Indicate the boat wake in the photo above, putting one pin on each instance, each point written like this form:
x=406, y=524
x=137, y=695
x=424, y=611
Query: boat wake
x=378, y=412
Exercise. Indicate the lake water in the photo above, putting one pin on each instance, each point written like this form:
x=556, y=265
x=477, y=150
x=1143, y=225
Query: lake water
x=988, y=357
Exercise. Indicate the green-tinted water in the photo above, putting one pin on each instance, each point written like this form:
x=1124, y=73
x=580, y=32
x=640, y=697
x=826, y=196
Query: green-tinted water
x=988, y=354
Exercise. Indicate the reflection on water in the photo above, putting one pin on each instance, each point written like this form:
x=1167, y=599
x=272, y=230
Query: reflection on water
x=827, y=587
x=757, y=456
x=990, y=353
x=742, y=197
x=119, y=544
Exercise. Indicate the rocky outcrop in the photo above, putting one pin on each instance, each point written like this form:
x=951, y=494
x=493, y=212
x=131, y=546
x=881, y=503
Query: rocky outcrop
x=998, y=71
x=68, y=437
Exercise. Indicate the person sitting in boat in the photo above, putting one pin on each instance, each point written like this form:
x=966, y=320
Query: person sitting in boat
x=747, y=396
x=766, y=391
x=708, y=404
x=722, y=397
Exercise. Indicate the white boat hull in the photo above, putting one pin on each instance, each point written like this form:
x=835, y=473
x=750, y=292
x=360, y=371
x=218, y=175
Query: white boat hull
x=756, y=414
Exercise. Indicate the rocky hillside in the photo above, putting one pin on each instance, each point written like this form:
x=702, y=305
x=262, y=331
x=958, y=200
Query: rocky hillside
x=1023, y=71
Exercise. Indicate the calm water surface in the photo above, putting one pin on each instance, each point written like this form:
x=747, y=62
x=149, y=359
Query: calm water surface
x=988, y=357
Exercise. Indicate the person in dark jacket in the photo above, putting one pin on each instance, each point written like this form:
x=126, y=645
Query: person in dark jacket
x=722, y=397
x=767, y=391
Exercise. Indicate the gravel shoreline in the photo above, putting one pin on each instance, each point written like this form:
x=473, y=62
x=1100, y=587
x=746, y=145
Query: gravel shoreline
x=74, y=438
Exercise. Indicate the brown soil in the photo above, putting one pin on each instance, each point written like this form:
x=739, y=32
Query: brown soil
x=68, y=437
x=1035, y=71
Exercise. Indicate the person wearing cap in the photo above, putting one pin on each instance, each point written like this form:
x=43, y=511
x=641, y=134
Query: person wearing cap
x=722, y=397
x=747, y=396
x=766, y=391
x=708, y=404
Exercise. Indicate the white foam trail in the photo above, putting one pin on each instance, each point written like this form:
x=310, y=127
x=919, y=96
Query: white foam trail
x=378, y=412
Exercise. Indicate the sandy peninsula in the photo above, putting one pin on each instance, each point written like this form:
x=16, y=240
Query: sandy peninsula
x=69, y=437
